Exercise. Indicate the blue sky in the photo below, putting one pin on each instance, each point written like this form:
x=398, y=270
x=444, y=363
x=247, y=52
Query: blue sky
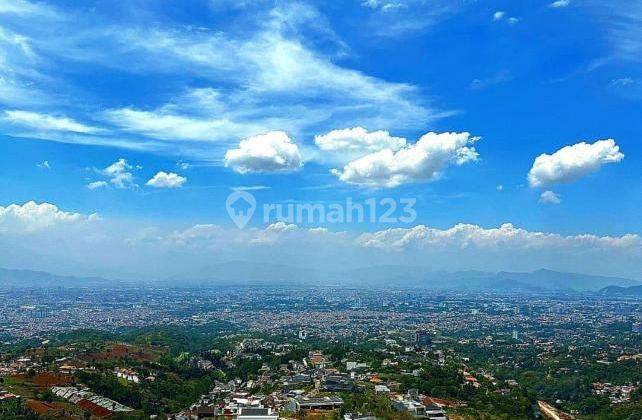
x=149, y=114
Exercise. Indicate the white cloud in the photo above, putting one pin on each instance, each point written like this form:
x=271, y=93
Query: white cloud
x=119, y=174
x=23, y=8
x=549, y=197
x=16, y=92
x=274, y=232
x=381, y=5
x=623, y=81
x=501, y=15
x=250, y=188
x=166, y=180
x=16, y=43
x=559, y=4
x=282, y=72
x=506, y=237
x=350, y=143
x=70, y=243
x=161, y=124
x=187, y=121
x=44, y=165
x=198, y=235
x=31, y=217
x=423, y=161
x=497, y=78
x=622, y=23
x=264, y=68
x=269, y=63
x=270, y=152
x=500, y=187
x=571, y=163
x=393, y=18
x=20, y=74
x=97, y=184
x=46, y=122
x=208, y=236
x=282, y=232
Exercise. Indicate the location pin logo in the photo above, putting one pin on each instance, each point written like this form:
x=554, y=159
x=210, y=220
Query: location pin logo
x=240, y=206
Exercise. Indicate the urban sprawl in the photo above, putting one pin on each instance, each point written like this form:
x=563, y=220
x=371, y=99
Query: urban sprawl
x=319, y=353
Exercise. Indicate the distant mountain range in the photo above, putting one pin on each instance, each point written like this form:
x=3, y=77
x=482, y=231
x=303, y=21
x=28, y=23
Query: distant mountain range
x=241, y=273
x=30, y=278
x=536, y=281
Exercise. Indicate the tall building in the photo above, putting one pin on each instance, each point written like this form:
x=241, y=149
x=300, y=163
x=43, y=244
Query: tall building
x=422, y=338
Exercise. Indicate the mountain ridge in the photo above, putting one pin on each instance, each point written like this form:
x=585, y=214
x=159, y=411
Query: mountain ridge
x=239, y=273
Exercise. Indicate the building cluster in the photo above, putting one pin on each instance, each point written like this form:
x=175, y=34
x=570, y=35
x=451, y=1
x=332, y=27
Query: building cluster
x=616, y=393
x=95, y=404
x=312, y=385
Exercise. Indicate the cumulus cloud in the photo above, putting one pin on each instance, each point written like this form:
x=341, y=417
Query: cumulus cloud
x=198, y=235
x=423, y=161
x=498, y=15
x=549, y=197
x=507, y=236
x=31, y=216
x=166, y=180
x=46, y=122
x=119, y=175
x=164, y=250
x=282, y=232
x=571, y=163
x=270, y=152
x=274, y=232
x=208, y=236
x=349, y=143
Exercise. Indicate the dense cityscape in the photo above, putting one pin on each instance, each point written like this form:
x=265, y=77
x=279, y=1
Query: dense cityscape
x=301, y=352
